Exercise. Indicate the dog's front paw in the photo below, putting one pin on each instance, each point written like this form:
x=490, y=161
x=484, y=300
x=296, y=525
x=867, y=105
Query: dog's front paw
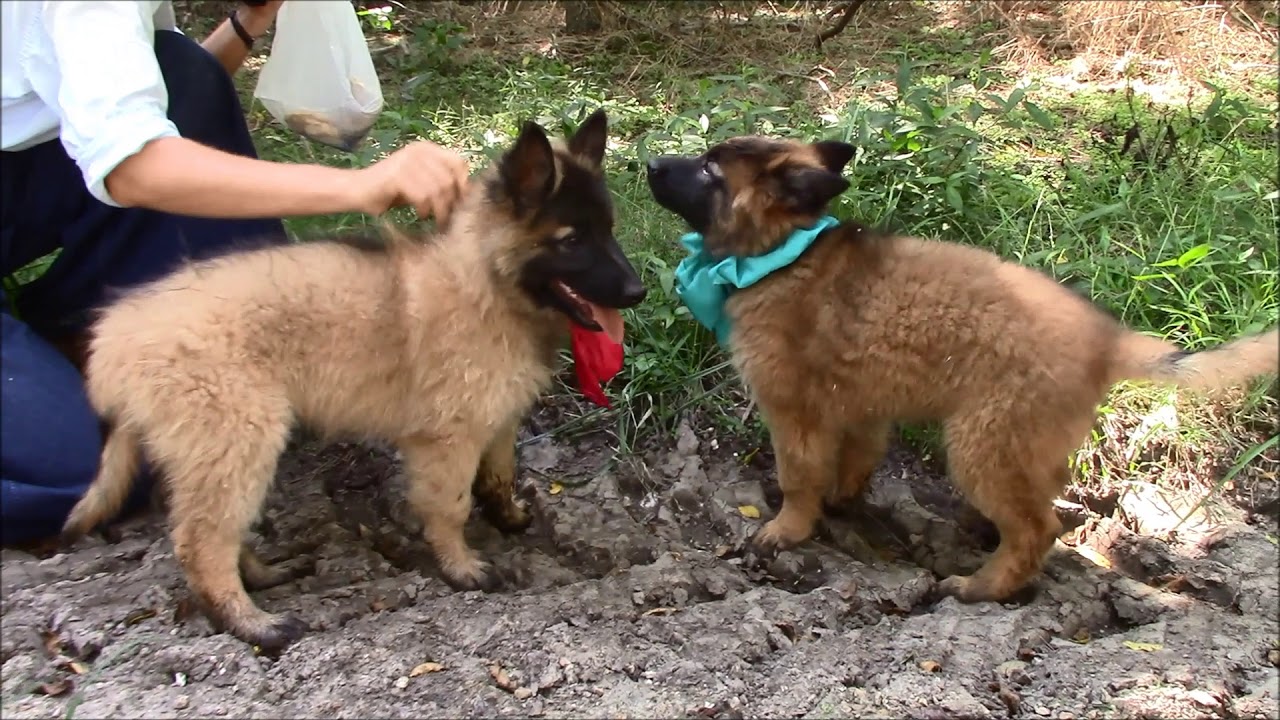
x=471, y=575
x=956, y=586
x=773, y=538
x=274, y=633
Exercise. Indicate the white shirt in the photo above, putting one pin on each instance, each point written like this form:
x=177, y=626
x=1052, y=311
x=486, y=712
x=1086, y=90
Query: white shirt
x=85, y=71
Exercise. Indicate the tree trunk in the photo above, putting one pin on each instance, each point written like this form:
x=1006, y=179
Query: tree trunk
x=582, y=16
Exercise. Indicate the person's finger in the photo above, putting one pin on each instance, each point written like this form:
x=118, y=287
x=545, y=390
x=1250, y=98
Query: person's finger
x=459, y=178
x=453, y=165
x=448, y=187
x=442, y=217
x=439, y=209
x=433, y=183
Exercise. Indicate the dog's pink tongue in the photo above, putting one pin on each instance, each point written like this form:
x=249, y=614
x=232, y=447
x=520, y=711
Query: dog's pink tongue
x=609, y=319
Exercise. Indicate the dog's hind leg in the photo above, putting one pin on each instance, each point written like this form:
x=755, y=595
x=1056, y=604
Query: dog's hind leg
x=807, y=455
x=494, y=486
x=1014, y=491
x=861, y=450
x=259, y=575
x=216, y=493
x=441, y=472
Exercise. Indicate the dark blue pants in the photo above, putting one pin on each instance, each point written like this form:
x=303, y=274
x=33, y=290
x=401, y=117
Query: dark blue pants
x=50, y=437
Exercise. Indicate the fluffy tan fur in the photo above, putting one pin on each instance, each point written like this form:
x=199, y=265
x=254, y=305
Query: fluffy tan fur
x=431, y=344
x=866, y=329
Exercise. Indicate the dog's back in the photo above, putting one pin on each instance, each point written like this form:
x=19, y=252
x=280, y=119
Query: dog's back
x=917, y=329
x=277, y=317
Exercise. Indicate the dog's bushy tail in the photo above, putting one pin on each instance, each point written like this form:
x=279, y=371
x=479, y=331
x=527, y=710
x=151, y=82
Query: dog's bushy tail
x=108, y=491
x=1140, y=357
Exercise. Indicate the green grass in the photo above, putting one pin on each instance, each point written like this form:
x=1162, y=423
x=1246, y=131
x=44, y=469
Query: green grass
x=1179, y=240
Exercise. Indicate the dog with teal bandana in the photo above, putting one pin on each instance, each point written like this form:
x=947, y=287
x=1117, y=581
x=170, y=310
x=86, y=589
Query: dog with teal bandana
x=839, y=332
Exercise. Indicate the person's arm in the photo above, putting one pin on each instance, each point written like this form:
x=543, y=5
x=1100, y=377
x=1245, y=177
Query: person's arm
x=160, y=177
x=224, y=44
x=112, y=103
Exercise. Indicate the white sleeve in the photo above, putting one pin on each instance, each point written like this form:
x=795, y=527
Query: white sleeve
x=112, y=99
x=166, y=19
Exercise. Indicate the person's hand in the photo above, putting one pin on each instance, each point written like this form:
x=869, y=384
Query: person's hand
x=257, y=19
x=429, y=178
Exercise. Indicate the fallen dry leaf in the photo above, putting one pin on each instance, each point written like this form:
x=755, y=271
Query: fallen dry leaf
x=659, y=611
x=424, y=668
x=1082, y=636
x=555, y=489
x=55, y=688
x=501, y=679
x=52, y=643
x=1143, y=647
x=1204, y=699
x=930, y=666
x=139, y=615
x=1093, y=556
x=378, y=604
x=749, y=511
x=722, y=550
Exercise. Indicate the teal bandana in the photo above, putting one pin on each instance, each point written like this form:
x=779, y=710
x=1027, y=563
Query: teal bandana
x=704, y=284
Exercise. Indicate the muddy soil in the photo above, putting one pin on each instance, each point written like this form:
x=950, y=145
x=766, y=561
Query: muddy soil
x=632, y=596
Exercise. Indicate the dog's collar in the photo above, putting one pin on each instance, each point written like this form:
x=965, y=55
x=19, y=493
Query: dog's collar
x=704, y=284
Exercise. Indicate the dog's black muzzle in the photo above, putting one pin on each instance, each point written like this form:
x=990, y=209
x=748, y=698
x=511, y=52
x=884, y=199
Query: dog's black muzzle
x=681, y=184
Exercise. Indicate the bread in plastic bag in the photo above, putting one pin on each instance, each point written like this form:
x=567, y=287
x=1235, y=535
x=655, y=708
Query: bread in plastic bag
x=319, y=79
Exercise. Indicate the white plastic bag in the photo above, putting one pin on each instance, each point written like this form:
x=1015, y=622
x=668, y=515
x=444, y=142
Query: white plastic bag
x=319, y=79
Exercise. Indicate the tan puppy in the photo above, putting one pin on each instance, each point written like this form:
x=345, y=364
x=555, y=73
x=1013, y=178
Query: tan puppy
x=864, y=330
x=440, y=346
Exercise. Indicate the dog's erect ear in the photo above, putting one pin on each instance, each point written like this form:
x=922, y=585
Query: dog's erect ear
x=833, y=154
x=809, y=189
x=528, y=169
x=591, y=137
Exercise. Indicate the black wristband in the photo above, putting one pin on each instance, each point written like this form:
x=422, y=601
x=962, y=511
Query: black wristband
x=245, y=37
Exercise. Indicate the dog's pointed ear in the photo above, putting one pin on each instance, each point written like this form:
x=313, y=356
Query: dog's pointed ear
x=589, y=141
x=833, y=154
x=809, y=189
x=528, y=169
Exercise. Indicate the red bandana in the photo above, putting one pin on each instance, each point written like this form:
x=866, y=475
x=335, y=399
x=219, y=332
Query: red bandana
x=596, y=359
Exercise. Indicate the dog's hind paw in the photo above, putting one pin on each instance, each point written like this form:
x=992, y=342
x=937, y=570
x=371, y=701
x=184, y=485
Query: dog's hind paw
x=510, y=518
x=969, y=589
x=263, y=576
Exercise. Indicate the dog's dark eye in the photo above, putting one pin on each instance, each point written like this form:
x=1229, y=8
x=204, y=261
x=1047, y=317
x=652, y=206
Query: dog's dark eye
x=712, y=168
x=569, y=240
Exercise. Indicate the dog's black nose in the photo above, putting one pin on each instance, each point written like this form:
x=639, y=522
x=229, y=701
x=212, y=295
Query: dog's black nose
x=633, y=292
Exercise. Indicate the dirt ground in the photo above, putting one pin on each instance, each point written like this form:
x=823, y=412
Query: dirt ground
x=631, y=596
